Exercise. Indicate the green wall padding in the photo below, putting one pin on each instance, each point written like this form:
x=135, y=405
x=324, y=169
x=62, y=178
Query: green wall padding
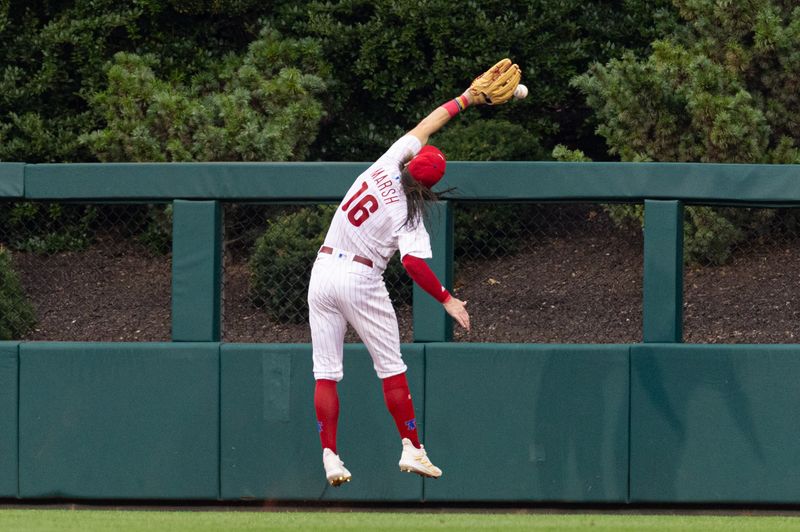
x=196, y=271
x=8, y=418
x=12, y=180
x=663, y=272
x=716, y=424
x=124, y=421
x=527, y=422
x=270, y=443
x=277, y=181
x=431, y=321
x=518, y=180
x=496, y=180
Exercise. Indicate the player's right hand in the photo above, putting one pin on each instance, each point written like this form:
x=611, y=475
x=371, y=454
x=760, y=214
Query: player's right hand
x=455, y=307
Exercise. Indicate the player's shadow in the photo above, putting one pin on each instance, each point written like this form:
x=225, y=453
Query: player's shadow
x=686, y=422
x=582, y=430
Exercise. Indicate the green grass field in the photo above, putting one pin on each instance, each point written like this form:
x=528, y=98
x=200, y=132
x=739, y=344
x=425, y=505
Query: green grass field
x=29, y=520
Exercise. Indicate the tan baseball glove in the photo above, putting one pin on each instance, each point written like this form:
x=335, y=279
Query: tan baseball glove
x=496, y=85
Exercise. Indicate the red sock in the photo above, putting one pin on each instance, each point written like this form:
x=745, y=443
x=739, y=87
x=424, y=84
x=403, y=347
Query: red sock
x=398, y=400
x=326, y=403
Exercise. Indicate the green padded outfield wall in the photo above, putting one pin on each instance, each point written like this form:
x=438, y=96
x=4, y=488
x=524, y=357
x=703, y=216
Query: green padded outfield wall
x=193, y=181
x=510, y=422
x=497, y=180
x=119, y=420
x=431, y=321
x=8, y=418
x=662, y=319
x=12, y=180
x=270, y=443
x=196, y=271
x=527, y=422
x=715, y=423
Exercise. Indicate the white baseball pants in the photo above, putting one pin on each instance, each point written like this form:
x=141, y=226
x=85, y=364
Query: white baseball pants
x=342, y=291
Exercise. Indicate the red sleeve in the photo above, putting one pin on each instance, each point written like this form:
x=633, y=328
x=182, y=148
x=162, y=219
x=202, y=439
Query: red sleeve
x=421, y=273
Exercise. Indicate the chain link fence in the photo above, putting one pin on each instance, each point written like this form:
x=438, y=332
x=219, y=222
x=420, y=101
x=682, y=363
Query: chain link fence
x=542, y=273
x=530, y=272
x=746, y=288
x=85, y=272
x=550, y=273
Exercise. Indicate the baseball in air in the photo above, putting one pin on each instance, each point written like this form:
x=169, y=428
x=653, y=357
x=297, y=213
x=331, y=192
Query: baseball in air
x=520, y=92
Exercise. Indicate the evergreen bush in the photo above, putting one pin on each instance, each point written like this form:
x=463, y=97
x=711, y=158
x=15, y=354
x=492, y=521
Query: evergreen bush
x=720, y=88
x=48, y=227
x=16, y=313
x=282, y=258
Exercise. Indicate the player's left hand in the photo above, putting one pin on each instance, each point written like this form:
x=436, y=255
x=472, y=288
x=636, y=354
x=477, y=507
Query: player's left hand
x=455, y=307
x=496, y=85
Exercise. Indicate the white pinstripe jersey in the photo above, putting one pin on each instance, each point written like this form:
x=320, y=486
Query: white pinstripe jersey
x=370, y=220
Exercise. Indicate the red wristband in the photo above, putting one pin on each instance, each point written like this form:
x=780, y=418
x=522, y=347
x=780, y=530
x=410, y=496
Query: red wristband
x=452, y=108
x=455, y=106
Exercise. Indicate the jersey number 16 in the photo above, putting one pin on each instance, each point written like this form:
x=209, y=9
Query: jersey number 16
x=361, y=210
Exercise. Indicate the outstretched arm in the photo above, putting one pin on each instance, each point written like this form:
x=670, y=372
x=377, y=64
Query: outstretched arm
x=440, y=116
x=495, y=86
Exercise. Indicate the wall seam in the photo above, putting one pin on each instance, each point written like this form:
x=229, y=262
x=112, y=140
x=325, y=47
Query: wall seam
x=19, y=408
x=219, y=421
x=630, y=420
x=424, y=403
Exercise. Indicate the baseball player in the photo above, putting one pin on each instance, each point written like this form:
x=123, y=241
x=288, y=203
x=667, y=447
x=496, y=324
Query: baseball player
x=382, y=213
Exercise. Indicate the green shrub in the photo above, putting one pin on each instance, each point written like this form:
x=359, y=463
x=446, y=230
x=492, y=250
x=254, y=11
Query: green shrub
x=391, y=64
x=282, y=259
x=48, y=227
x=260, y=106
x=489, y=140
x=157, y=233
x=719, y=88
x=16, y=313
x=52, y=58
x=484, y=230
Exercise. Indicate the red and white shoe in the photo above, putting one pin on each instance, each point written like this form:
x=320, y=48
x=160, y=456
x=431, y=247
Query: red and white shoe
x=335, y=471
x=415, y=460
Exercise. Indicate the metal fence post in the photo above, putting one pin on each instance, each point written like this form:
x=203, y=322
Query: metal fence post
x=431, y=322
x=663, y=271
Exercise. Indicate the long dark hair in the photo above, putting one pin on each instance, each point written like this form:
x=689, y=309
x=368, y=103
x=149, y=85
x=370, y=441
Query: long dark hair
x=418, y=198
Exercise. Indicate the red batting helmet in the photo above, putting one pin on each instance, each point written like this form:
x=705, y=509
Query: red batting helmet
x=427, y=166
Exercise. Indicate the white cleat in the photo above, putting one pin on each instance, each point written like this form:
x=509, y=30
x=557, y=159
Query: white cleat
x=415, y=460
x=335, y=471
